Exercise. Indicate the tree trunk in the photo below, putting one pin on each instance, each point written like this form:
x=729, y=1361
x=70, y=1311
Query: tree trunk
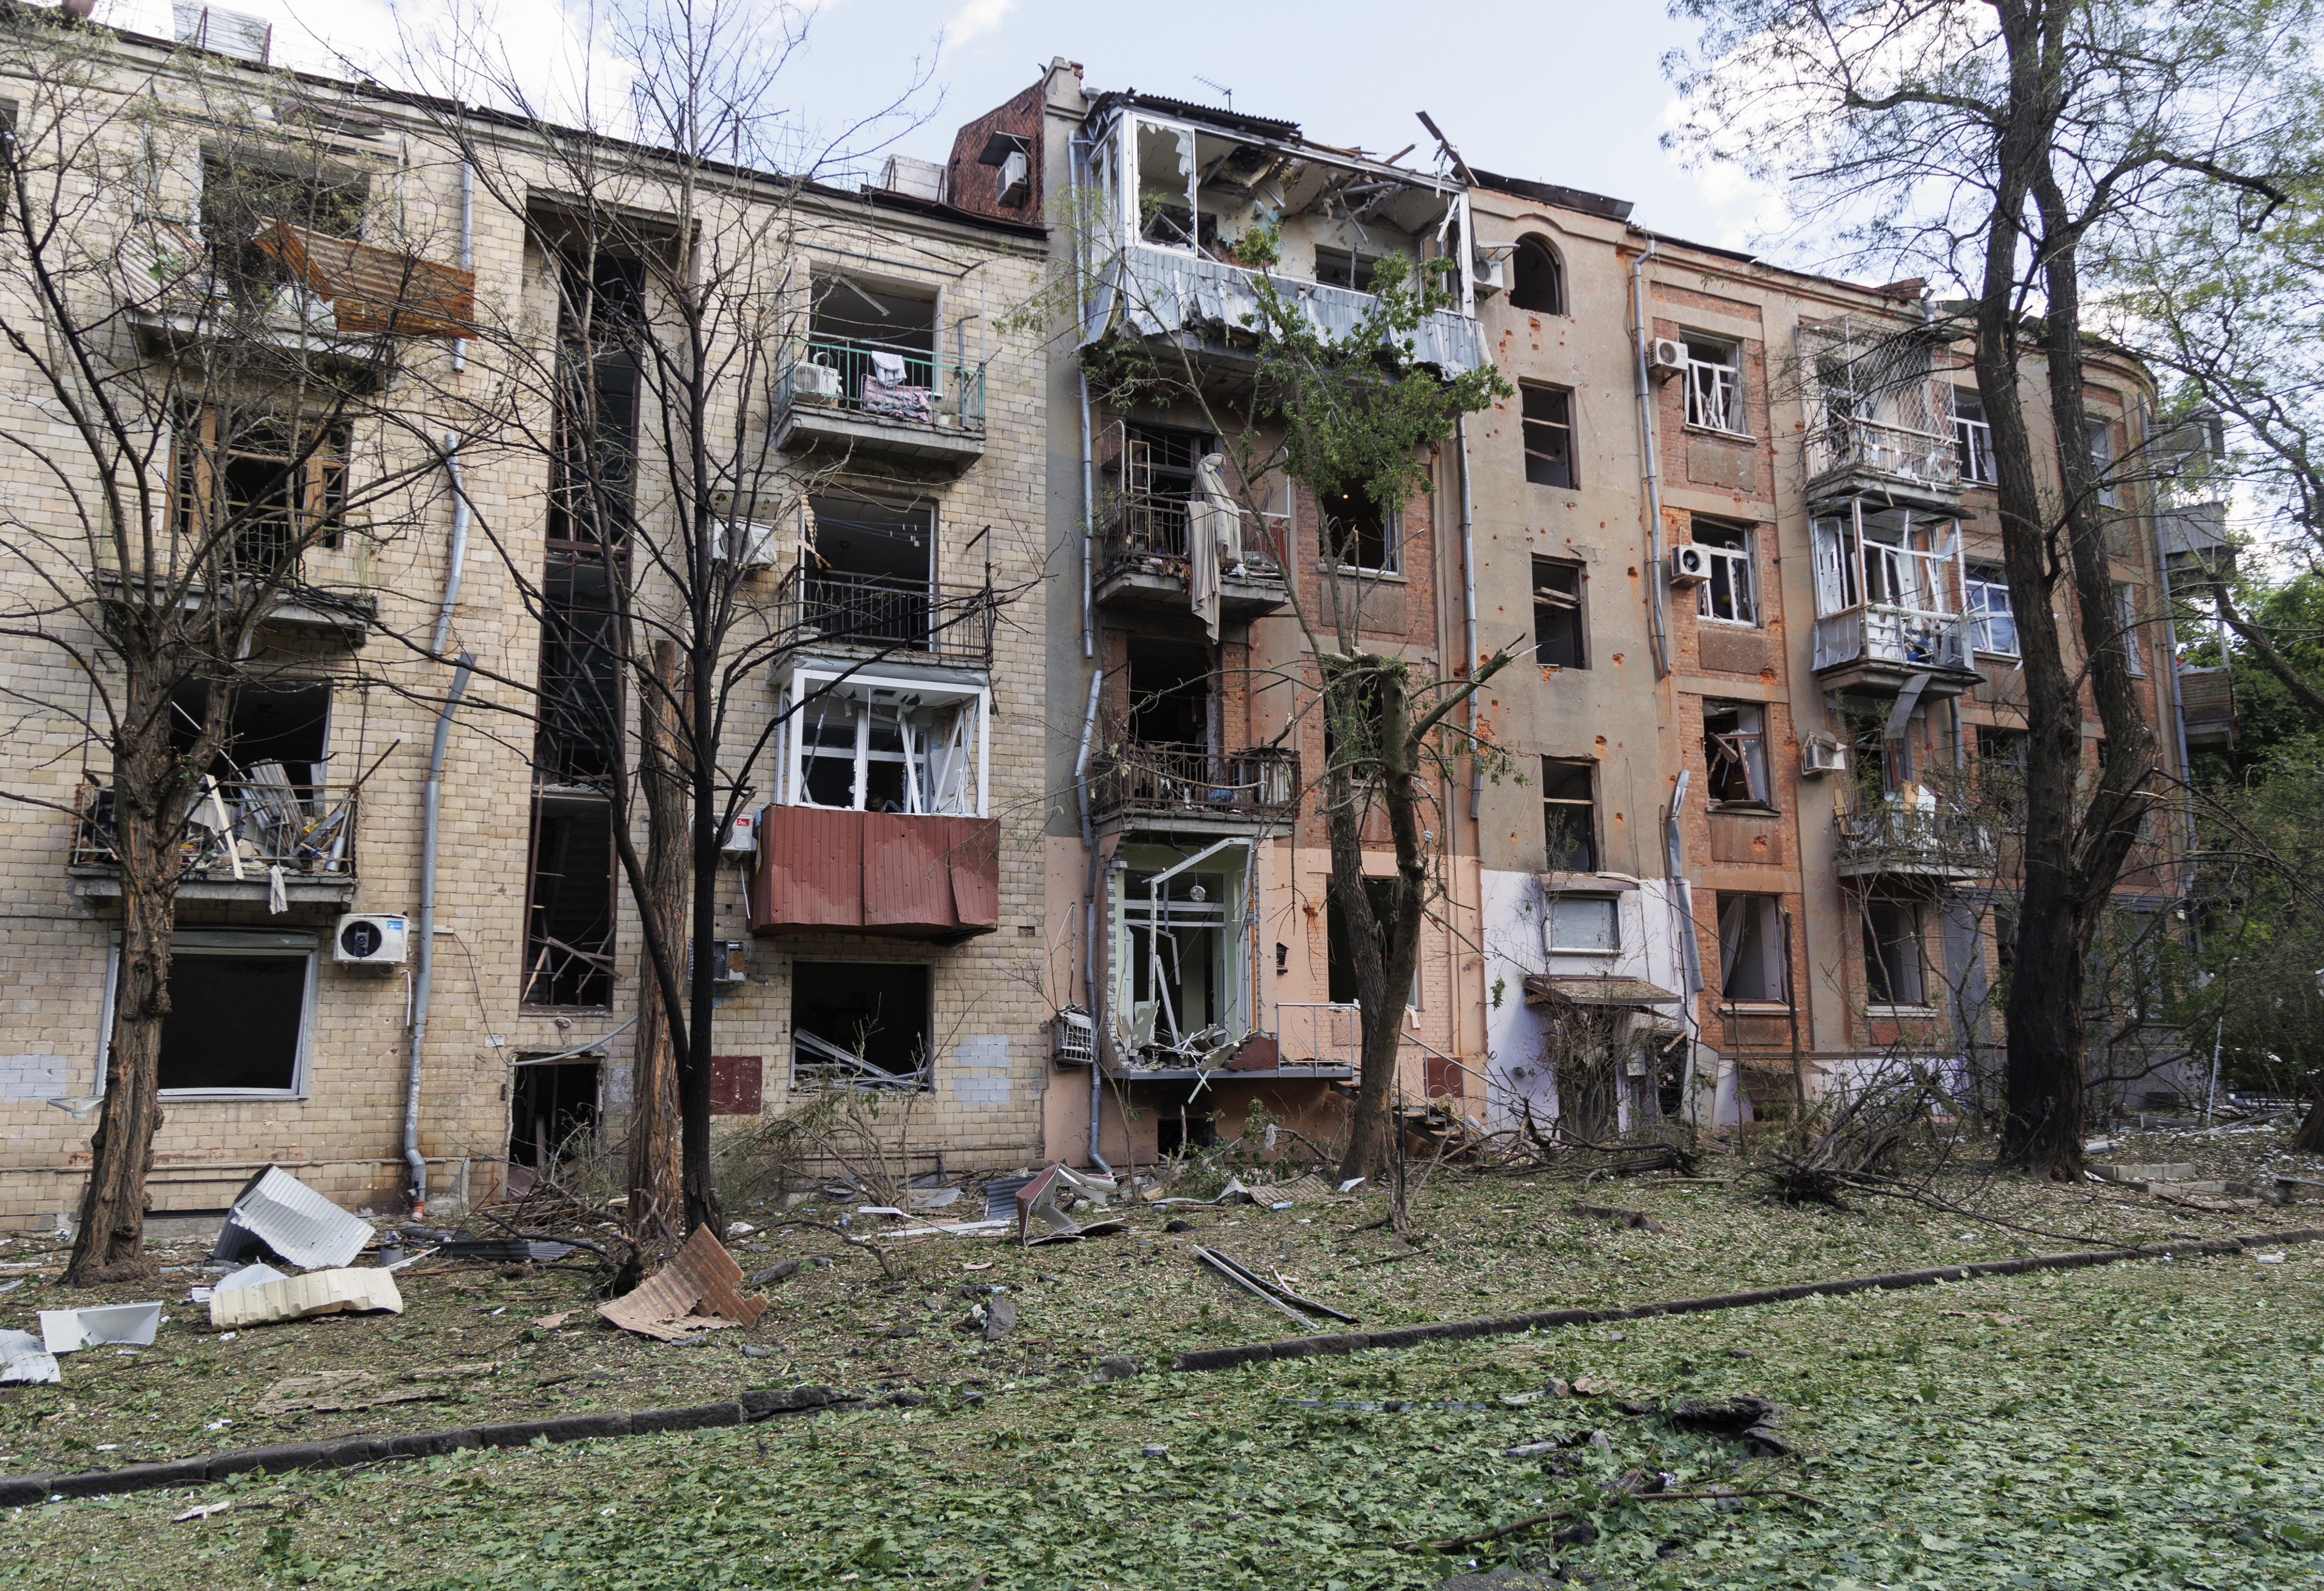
x=1377, y=696
x=657, y=1214
x=700, y=1187
x=149, y=808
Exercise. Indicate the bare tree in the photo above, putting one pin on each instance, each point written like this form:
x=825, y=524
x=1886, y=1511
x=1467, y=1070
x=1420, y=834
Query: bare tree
x=1998, y=144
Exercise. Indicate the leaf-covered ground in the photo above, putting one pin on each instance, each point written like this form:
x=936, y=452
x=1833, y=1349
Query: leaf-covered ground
x=2153, y=1423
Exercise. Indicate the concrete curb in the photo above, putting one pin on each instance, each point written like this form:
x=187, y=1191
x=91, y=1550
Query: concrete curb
x=22, y=1491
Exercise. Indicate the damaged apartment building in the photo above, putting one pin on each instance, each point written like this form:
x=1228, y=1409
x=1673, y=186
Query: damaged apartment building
x=885, y=891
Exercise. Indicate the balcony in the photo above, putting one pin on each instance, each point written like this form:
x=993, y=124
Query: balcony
x=1167, y=780
x=1910, y=842
x=889, y=614
x=1145, y=563
x=848, y=396
x=826, y=870
x=1850, y=456
x=1202, y=302
x=1881, y=649
x=239, y=834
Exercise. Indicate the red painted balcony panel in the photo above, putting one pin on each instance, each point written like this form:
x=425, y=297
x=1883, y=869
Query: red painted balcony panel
x=824, y=871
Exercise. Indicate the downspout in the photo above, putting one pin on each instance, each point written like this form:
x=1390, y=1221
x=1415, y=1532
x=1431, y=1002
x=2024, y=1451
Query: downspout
x=2169, y=637
x=1089, y=513
x=459, y=556
x=430, y=808
x=1469, y=615
x=467, y=251
x=1089, y=890
x=1653, y=468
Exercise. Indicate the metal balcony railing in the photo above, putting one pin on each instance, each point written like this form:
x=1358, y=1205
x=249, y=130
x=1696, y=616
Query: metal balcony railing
x=1896, y=839
x=1877, y=632
x=1146, y=528
x=240, y=830
x=1172, y=778
x=1929, y=458
x=953, y=622
x=882, y=380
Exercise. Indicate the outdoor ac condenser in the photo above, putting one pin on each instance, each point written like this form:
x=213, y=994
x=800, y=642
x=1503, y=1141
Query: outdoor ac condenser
x=1690, y=564
x=1821, y=754
x=1666, y=355
x=369, y=939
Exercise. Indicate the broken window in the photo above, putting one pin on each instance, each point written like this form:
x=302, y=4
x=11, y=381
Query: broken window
x=1181, y=948
x=1992, y=610
x=1584, y=925
x=1157, y=468
x=552, y=1110
x=1735, y=753
x=2125, y=613
x=240, y=1010
x=1569, y=794
x=870, y=570
x=1346, y=268
x=594, y=461
x=879, y=341
x=867, y=743
x=1972, y=438
x=255, y=490
x=1359, y=532
x=569, y=916
x=1340, y=962
x=1883, y=767
x=1714, y=384
x=1750, y=948
x=1730, y=595
x=1895, y=970
x=244, y=195
x=270, y=774
x=580, y=675
x=1548, y=435
x=1166, y=184
x=860, y=1025
x=1557, y=619
x=1169, y=694
x=1539, y=280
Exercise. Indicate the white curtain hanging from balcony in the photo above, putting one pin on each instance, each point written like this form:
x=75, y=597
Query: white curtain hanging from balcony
x=1213, y=539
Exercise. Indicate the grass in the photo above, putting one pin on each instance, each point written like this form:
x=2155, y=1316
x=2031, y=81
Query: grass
x=2153, y=1423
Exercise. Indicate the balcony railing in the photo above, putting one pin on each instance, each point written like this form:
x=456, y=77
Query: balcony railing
x=1895, y=452
x=883, y=382
x=888, y=612
x=1908, y=637
x=240, y=831
x=1899, y=839
x=1172, y=778
x=1150, y=527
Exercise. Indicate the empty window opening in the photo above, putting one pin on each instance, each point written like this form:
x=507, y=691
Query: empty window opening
x=1346, y=268
x=570, y=918
x=1569, y=794
x=1584, y=925
x=1972, y=438
x=1166, y=184
x=1189, y=1126
x=244, y=199
x=594, y=468
x=1895, y=973
x=1714, y=385
x=1992, y=610
x=1751, y=948
x=1558, y=630
x=1735, y=753
x=238, y=1018
x=1340, y=959
x=870, y=570
x=1358, y=532
x=1538, y=280
x=1157, y=466
x=284, y=724
x=880, y=340
x=1169, y=694
x=272, y=795
x=1548, y=435
x=1180, y=947
x=253, y=491
x=860, y=1025
x=552, y=1112
x=1730, y=596
x=1882, y=767
x=580, y=674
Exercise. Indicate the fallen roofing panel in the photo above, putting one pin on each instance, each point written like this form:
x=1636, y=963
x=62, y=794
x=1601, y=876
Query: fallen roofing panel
x=23, y=1358
x=276, y=1213
x=1042, y=1204
x=66, y=1332
x=701, y=1288
x=318, y=1292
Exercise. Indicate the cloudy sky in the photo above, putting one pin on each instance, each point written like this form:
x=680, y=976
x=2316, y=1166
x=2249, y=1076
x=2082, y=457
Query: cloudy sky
x=1555, y=90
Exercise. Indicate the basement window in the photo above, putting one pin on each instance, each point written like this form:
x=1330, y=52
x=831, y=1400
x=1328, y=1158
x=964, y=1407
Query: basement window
x=859, y=1025
x=241, y=1015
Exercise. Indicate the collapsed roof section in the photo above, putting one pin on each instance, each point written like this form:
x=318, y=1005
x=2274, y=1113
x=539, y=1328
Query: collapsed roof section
x=1185, y=207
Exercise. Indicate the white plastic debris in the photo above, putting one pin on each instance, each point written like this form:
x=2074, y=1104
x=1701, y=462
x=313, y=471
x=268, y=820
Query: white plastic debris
x=248, y=1276
x=23, y=1358
x=66, y=1332
x=2269, y=1259
x=279, y=1214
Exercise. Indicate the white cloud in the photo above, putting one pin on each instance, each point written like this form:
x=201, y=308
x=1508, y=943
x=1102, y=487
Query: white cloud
x=976, y=17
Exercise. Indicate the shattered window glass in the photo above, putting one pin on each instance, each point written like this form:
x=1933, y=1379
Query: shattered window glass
x=1166, y=184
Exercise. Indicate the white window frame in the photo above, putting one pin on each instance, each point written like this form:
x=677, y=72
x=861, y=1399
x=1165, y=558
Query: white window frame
x=1135, y=180
x=1715, y=385
x=1921, y=968
x=1978, y=596
x=790, y=754
x=1750, y=736
x=1973, y=436
x=2125, y=612
x=1732, y=932
x=1739, y=570
x=1549, y=927
x=225, y=941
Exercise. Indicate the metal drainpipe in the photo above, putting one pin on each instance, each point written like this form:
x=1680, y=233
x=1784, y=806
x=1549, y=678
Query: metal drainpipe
x=1469, y=614
x=430, y=806
x=1639, y=337
x=2170, y=634
x=1089, y=510
x=1088, y=904
x=467, y=247
x=459, y=555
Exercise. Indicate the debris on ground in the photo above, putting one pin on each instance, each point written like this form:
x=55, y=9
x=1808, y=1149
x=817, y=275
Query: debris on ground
x=277, y=1215
x=701, y=1288
x=129, y=1325
x=336, y=1392
x=23, y=1358
x=1637, y=1220
x=1118, y=1367
x=774, y=1273
x=296, y=1298
x=1042, y=1204
x=1273, y=1292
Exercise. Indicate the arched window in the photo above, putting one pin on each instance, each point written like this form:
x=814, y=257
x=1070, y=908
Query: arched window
x=1540, y=284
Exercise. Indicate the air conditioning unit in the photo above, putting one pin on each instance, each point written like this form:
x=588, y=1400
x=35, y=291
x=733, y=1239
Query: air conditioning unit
x=1490, y=270
x=1666, y=355
x=815, y=383
x=1016, y=178
x=741, y=836
x=1073, y=1038
x=368, y=939
x=1690, y=564
x=1821, y=754
x=748, y=546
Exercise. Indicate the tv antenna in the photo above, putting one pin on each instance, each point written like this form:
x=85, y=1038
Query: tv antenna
x=1220, y=87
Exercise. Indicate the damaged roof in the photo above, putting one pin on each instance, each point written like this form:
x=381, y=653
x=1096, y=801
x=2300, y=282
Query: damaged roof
x=1551, y=193
x=1264, y=126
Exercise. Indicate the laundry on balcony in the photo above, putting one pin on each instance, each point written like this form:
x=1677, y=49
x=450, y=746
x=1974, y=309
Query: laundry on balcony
x=888, y=389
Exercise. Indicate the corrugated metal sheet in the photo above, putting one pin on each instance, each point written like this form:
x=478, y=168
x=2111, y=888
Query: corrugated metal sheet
x=904, y=883
x=974, y=858
x=810, y=870
x=375, y=291
x=916, y=878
